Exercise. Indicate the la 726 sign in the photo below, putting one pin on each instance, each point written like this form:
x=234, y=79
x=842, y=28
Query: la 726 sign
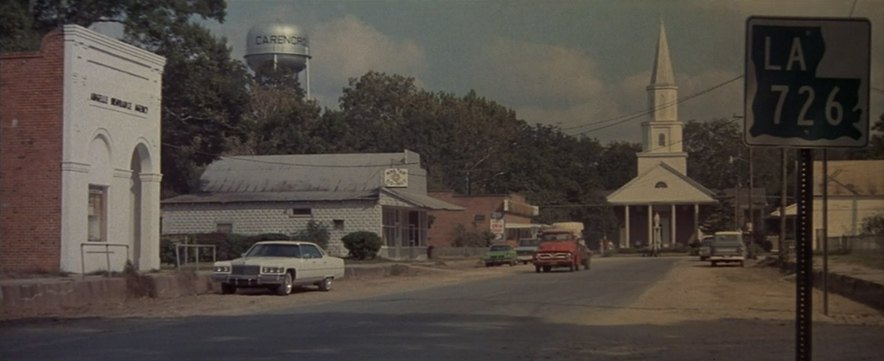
x=807, y=82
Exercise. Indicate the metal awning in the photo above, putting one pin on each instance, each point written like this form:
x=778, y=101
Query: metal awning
x=513, y=225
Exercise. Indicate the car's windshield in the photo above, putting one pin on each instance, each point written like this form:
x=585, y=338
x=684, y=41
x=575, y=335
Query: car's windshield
x=728, y=239
x=498, y=248
x=529, y=242
x=557, y=236
x=274, y=250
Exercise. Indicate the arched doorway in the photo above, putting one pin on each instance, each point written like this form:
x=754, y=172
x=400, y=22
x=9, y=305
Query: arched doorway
x=139, y=165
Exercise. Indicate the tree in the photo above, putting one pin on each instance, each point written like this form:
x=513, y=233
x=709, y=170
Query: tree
x=875, y=150
x=712, y=148
x=617, y=165
x=17, y=31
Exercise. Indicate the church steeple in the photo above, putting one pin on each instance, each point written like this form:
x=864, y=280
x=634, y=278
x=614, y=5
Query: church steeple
x=662, y=74
x=662, y=133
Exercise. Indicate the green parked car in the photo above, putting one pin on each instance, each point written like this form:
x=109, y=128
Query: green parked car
x=500, y=254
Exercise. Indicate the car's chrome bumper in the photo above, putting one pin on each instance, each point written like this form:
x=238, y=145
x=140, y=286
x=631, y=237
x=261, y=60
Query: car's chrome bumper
x=554, y=263
x=250, y=280
x=733, y=258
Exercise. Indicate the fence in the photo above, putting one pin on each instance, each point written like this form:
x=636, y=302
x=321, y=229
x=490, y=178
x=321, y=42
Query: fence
x=196, y=247
x=855, y=243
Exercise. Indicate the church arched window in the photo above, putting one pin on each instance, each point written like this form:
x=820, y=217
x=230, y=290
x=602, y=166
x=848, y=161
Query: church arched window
x=661, y=185
x=661, y=140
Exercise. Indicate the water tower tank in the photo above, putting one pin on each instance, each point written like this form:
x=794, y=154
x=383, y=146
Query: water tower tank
x=277, y=45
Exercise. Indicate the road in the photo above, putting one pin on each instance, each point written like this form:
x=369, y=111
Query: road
x=520, y=315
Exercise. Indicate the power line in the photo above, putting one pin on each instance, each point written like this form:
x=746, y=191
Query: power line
x=623, y=119
x=242, y=158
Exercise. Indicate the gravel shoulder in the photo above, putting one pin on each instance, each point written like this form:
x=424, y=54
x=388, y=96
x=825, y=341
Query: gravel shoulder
x=694, y=291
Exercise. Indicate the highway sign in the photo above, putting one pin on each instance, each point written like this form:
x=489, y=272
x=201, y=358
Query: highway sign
x=807, y=82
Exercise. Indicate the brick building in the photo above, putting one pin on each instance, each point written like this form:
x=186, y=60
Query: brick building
x=507, y=216
x=79, y=155
x=384, y=193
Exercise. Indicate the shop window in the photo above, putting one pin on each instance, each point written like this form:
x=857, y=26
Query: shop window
x=97, y=218
x=301, y=212
x=226, y=228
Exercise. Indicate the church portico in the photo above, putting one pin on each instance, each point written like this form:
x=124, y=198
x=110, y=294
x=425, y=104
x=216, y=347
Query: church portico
x=671, y=224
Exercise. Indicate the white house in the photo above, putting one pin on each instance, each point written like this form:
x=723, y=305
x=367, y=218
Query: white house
x=855, y=192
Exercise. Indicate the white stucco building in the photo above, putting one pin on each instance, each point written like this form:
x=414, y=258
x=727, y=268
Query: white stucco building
x=662, y=204
x=101, y=162
x=383, y=193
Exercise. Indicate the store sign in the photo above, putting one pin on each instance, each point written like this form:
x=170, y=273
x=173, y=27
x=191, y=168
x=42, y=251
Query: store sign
x=119, y=103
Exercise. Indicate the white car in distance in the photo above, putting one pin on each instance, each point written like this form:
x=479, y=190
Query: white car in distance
x=279, y=266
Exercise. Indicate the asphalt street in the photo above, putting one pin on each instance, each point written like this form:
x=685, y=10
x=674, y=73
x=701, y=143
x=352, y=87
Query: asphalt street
x=521, y=316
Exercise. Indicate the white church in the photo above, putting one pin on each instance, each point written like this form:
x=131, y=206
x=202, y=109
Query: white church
x=661, y=203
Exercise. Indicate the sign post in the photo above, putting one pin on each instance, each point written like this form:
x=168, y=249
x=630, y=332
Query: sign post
x=807, y=86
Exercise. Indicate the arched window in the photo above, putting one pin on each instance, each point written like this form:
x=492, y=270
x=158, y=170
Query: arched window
x=661, y=140
x=661, y=185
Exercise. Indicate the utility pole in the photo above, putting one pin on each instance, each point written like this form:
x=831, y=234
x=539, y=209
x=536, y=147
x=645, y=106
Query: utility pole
x=784, y=248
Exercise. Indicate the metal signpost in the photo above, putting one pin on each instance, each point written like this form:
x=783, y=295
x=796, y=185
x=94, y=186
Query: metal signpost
x=807, y=86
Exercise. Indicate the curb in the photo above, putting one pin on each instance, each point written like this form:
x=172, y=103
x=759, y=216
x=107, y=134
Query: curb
x=868, y=293
x=859, y=290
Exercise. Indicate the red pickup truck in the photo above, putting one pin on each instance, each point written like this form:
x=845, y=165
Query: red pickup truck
x=561, y=247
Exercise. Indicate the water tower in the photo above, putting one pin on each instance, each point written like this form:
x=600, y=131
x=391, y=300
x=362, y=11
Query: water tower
x=278, y=46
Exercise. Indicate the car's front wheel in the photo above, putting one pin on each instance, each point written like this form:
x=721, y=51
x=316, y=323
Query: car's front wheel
x=326, y=284
x=285, y=288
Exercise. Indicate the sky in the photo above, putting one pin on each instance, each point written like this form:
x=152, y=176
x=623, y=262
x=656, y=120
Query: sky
x=580, y=65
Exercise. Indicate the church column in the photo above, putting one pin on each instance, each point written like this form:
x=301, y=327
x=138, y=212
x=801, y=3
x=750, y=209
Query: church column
x=149, y=258
x=650, y=224
x=672, y=227
x=697, y=221
x=627, y=227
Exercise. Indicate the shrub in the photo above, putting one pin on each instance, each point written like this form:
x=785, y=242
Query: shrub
x=315, y=232
x=362, y=245
x=462, y=237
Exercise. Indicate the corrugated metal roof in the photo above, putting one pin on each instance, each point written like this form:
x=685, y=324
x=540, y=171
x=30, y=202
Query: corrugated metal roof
x=305, y=172
x=243, y=197
x=850, y=177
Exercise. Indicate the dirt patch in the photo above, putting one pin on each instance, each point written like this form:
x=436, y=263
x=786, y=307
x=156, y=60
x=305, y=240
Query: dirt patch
x=695, y=291
x=402, y=278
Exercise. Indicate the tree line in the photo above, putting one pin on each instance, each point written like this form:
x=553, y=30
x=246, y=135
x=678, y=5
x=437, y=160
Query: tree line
x=212, y=106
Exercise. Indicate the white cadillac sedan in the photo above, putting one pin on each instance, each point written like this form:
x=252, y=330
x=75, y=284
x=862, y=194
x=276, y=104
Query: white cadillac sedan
x=279, y=266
